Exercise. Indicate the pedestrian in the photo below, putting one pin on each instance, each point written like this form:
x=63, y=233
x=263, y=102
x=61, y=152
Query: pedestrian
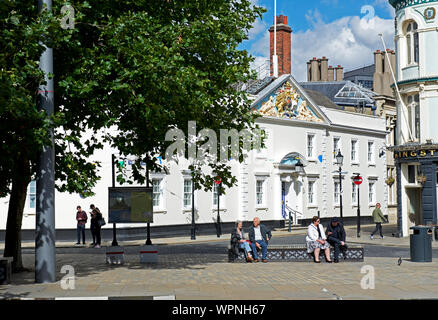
x=259, y=235
x=336, y=238
x=378, y=218
x=96, y=217
x=238, y=241
x=81, y=218
x=317, y=241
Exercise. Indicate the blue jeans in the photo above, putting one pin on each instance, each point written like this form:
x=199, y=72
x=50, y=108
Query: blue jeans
x=264, y=246
x=245, y=246
x=81, y=229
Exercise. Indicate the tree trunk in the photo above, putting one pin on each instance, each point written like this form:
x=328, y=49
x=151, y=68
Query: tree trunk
x=15, y=214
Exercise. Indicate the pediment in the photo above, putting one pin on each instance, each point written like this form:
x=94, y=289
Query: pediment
x=288, y=101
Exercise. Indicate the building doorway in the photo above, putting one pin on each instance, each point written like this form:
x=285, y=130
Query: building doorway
x=292, y=196
x=415, y=213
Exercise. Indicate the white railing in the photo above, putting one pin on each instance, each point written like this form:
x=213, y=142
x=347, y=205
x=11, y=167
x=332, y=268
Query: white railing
x=295, y=214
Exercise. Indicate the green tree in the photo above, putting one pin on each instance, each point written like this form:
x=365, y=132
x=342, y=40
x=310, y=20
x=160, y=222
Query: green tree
x=135, y=67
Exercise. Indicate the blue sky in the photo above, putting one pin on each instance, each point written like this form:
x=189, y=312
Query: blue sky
x=345, y=31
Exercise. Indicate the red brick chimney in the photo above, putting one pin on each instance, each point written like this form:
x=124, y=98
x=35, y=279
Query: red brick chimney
x=283, y=46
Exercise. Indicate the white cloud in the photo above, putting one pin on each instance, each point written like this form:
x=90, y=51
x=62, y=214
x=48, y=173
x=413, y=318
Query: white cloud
x=349, y=41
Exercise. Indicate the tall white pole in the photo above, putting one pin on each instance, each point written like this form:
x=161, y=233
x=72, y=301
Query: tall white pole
x=275, y=58
x=45, y=259
x=404, y=108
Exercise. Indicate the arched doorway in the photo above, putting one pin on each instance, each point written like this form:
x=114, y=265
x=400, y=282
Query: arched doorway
x=291, y=169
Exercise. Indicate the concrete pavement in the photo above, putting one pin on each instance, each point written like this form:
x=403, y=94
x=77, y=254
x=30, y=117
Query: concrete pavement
x=199, y=270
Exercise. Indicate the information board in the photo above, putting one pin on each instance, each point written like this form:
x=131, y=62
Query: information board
x=130, y=205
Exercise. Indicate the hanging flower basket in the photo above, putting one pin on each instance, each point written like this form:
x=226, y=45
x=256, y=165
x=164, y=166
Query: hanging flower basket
x=421, y=179
x=390, y=181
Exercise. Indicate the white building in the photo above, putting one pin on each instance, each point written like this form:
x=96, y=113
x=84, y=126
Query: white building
x=299, y=132
x=416, y=150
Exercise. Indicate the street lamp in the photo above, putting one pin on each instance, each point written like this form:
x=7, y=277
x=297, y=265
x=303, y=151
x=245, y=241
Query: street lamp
x=340, y=162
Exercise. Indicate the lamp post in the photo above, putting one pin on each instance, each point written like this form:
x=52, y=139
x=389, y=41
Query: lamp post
x=340, y=162
x=193, y=237
x=219, y=229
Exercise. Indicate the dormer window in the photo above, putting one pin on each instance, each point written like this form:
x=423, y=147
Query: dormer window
x=412, y=43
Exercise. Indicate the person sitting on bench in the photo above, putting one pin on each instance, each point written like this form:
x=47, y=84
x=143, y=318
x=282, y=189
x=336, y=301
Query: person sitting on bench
x=317, y=241
x=238, y=241
x=259, y=235
x=336, y=237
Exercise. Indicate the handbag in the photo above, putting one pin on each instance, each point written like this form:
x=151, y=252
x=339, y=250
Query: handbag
x=101, y=222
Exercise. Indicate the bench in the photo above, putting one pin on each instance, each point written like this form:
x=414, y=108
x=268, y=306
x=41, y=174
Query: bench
x=295, y=253
x=5, y=270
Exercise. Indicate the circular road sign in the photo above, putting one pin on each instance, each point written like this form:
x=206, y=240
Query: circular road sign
x=358, y=180
x=218, y=180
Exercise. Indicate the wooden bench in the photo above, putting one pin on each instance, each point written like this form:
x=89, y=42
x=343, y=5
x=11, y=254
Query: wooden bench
x=296, y=253
x=5, y=270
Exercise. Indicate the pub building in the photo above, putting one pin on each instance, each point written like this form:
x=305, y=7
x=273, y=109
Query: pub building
x=416, y=148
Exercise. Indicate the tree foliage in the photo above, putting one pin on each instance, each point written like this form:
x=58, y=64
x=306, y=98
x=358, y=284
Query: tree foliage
x=124, y=74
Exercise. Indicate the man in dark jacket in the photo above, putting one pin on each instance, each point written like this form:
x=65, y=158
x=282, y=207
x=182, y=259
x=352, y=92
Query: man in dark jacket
x=336, y=237
x=259, y=235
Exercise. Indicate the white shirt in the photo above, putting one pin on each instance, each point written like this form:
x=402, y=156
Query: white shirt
x=258, y=234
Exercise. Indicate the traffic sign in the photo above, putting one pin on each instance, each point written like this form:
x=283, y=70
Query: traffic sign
x=218, y=180
x=357, y=180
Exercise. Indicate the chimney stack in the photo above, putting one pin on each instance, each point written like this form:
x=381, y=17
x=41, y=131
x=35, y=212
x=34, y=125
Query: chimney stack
x=339, y=73
x=382, y=78
x=314, y=70
x=331, y=74
x=318, y=70
x=324, y=69
x=283, y=46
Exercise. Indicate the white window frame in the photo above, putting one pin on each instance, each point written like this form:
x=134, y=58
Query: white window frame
x=372, y=200
x=336, y=193
x=263, y=152
x=336, y=150
x=354, y=160
x=161, y=193
x=311, y=192
x=222, y=198
x=189, y=206
x=354, y=194
x=263, y=192
x=371, y=152
x=414, y=114
x=412, y=43
x=311, y=137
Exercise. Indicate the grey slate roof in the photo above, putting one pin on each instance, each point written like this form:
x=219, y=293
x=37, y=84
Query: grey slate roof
x=321, y=100
x=367, y=71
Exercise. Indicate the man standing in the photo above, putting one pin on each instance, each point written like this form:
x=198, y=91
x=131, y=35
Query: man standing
x=95, y=227
x=378, y=218
x=336, y=237
x=81, y=218
x=259, y=235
